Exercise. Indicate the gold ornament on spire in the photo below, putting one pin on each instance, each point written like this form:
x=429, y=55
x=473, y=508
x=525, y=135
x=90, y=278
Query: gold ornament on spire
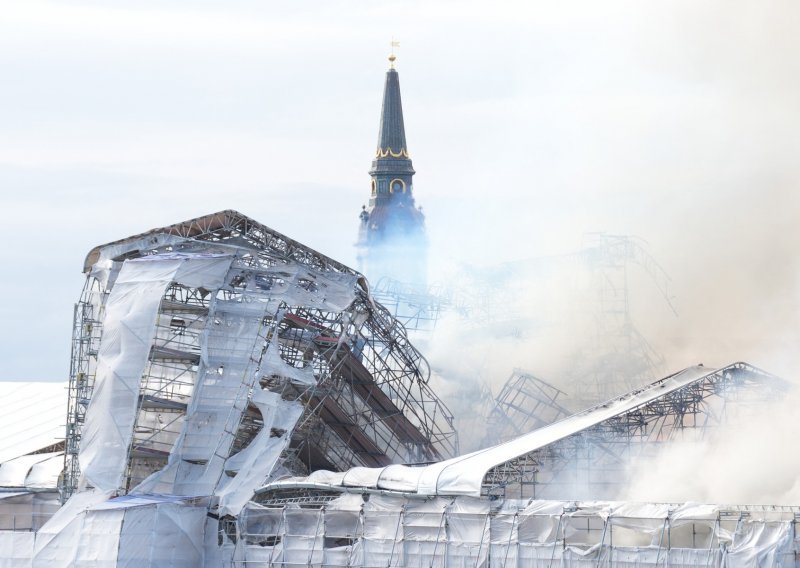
x=392, y=56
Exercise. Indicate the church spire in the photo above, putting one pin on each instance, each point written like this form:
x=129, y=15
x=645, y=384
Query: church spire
x=392, y=132
x=392, y=240
x=391, y=157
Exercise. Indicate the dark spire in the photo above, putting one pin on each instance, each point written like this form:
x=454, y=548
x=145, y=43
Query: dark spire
x=391, y=157
x=392, y=133
x=391, y=236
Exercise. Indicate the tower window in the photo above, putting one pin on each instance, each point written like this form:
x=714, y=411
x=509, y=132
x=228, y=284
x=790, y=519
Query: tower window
x=397, y=186
x=374, y=188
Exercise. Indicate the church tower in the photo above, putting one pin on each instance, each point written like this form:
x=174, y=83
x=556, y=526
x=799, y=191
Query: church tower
x=391, y=237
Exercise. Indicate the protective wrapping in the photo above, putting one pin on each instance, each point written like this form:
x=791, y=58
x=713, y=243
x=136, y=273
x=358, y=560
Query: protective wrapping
x=761, y=544
x=386, y=530
x=303, y=537
x=383, y=530
x=17, y=549
x=220, y=396
x=342, y=544
x=27, y=510
x=56, y=538
x=127, y=533
x=167, y=534
x=229, y=364
x=254, y=463
x=129, y=326
x=128, y=330
x=15, y=473
x=464, y=475
x=210, y=357
x=45, y=474
x=540, y=522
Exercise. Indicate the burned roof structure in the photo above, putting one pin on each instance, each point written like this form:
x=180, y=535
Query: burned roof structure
x=214, y=353
x=585, y=454
x=498, y=506
x=238, y=399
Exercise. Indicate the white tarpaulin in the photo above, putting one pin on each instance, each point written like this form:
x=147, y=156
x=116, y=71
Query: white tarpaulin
x=17, y=549
x=254, y=463
x=45, y=474
x=464, y=475
x=14, y=473
x=231, y=357
x=383, y=530
x=125, y=532
x=225, y=378
x=128, y=329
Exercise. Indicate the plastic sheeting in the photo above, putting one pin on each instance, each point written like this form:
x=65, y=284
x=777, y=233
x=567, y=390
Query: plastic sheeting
x=128, y=331
x=15, y=473
x=158, y=531
x=384, y=530
x=129, y=326
x=24, y=511
x=59, y=532
x=45, y=474
x=231, y=348
x=253, y=464
x=761, y=544
x=224, y=380
x=464, y=475
x=17, y=549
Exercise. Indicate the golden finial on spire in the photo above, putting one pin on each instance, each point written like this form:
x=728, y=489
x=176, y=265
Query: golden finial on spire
x=392, y=56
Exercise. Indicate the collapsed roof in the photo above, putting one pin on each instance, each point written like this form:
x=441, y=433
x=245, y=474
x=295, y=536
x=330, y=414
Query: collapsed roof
x=213, y=353
x=598, y=442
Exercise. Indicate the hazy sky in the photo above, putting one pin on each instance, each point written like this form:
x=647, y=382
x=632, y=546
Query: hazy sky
x=529, y=123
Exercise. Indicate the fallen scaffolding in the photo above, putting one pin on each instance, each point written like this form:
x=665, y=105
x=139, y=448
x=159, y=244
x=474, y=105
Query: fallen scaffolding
x=524, y=404
x=583, y=456
x=587, y=455
x=417, y=309
x=205, y=351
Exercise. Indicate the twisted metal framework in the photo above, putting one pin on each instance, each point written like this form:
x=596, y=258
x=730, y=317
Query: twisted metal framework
x=524, y=404
x=369, y=405
x=593, y=461
x=611, y=357
x=623, y=359
x=418, y=310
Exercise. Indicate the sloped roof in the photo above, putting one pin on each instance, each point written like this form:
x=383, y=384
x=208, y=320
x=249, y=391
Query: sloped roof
x=223, y=224
x=32, y=417
x=392, y=133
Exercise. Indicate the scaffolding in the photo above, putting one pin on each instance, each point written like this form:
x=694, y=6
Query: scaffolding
x=352, y=529
x=286, y=332
x=593, y=461
x=485, y=509
x=417, y=309
x=525, y=403
x=619, y=358
x=86, y=332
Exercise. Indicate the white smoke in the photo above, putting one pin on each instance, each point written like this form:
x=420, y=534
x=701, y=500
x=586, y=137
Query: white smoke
x=750, y=460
